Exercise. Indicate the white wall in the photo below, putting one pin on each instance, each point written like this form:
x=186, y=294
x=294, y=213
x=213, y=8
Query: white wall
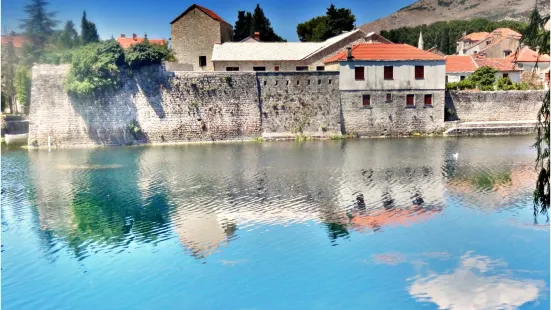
x=404, y=75
x=456, y=77
x=513, y=76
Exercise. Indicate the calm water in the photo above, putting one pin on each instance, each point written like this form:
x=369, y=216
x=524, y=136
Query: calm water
x=275, y=226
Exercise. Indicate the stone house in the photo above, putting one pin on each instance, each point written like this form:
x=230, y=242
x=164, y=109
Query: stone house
x=193, y=34
x=460, y=67
x=255, y=38
x=498, y=44
x=390, y=89
x=529, y=60
x=286, y=56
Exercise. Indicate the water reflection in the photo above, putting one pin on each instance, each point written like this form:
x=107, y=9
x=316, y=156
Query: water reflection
x=479, y=282
x=203, y=194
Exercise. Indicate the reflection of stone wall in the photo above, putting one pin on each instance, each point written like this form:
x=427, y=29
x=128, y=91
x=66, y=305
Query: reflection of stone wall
x=167, y=107
x=494, y=105
x=295, y=102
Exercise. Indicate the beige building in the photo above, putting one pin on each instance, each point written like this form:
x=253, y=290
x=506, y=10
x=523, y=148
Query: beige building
x=459, y=68
x=193, y=34
x=286, y=56
x=497, y=44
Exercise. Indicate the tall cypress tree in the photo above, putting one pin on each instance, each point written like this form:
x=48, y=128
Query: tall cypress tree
x=260, y=23
x=84, y=31
x=241, y=29
x=69, y=36
x=39, y=25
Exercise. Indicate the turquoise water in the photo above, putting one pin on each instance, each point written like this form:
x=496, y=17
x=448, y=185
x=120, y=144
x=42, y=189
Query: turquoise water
x=278, y=225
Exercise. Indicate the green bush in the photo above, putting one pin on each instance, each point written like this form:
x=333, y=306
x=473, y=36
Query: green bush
x=505, y=83
x=483, y=76
x=521, y=86
x=23, y=85
x=452, y=86
x=95, y=68
x=145, y=54
x=487, y=88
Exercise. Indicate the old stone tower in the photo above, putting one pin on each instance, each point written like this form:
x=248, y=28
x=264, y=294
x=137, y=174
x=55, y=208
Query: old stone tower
x=193, y=35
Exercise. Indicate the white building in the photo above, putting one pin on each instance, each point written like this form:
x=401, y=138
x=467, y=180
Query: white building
x=460, y=67
x=529, y=60
x=285, y=56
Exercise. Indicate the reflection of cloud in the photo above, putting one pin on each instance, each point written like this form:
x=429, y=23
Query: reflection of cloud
x=233, y=262
x=389, y=258
x=469, y=288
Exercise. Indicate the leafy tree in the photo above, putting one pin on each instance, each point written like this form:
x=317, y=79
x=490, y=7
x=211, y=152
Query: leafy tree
x=483, y=76
x=39, y=24
x=9, y=61
x=23, y=85
x=260, y=23
x=95, y=68
x=88, y=31
x=243, y=26
x=321, y=28
x=505, y=83
x=69, y=36
x=145, y=53
x=537, y=36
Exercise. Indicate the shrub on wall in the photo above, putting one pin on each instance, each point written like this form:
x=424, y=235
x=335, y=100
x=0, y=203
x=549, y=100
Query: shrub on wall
x=145, y=53
x=23, y=85
x=95, y=68
x=505, y=83
x=483, y=76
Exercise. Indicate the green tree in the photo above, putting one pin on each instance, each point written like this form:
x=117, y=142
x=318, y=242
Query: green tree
x=23, y=85
x=260, y=23
x=536, y=36
x=39, y=24
x=243, y=26
x=9, y=61
x=144, y=54
x=69, y=36
x=321, y=28
x=483, y=77
x=88, y=31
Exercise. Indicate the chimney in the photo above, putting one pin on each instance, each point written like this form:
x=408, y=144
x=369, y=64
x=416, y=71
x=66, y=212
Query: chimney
x=349, y=53
x=537, y=50
x=257, y=35
x=123, y=35
x=134, y=36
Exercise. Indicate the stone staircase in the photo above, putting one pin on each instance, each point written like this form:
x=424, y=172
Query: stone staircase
x=458, y=128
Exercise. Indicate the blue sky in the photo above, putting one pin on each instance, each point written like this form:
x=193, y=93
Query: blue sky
x=113, y=17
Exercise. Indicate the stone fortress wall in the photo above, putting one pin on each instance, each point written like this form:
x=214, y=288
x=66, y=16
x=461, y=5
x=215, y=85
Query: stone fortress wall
x=158, y=106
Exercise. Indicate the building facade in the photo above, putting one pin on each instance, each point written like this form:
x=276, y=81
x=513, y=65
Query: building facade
x=459, y=68
x=393, y=89
x=193, y=34
x=500, y=43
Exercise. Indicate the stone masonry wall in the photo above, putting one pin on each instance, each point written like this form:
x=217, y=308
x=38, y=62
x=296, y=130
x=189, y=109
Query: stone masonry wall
x=166, y=106
x=471, y=106
x=299, y=102
x=392, y=118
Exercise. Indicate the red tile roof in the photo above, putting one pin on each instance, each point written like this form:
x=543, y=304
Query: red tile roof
x=127, y=42
x=476, y=36
x=456, y=64
x=507, y=32
x=500, y=64
x=202, y=9
x=16, y=40
x=385, y=52
x=525, y=54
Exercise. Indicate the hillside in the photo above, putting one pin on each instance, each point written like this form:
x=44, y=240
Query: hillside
x=430, y=11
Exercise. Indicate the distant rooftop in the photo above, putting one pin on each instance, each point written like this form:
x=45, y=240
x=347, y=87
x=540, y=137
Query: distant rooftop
x=385, y=52
x=127, y=42
x=17, y=41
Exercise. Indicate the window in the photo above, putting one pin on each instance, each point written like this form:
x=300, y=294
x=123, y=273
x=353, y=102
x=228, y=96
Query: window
x=388, y=97
x=259, y=68
x=301, y=68
x=428, y=100
x=232, y=68
x=446, y=79
x=505, y=75
x=419, y=72
x=410, y=100
x=319, y=82
x=329, y=82
x=366, y=100
x=202, y=61
x=308, y=82
x=506, y=53
x=276, y=68
x=462, y=77
x=389, y=73
x=359, y=73
x=320, y=68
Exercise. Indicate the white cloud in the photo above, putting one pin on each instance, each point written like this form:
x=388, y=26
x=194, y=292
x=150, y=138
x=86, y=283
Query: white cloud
x=468, y=287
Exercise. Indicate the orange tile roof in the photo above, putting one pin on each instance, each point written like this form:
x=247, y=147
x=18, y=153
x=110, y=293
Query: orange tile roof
x=127, y=42
x=500, y=64
x=16, y=40
x=202, y=9
x=476, y=36
x=507, y=32
x=385, y=52
x=456, y=63
x=526, y=54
